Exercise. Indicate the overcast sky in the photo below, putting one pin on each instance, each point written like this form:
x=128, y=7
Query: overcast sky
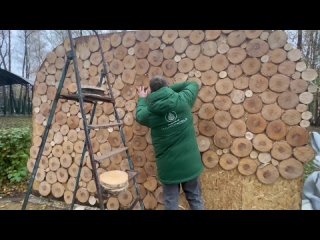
x=16, y=51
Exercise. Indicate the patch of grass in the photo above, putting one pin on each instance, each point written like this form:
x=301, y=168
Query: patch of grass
x=308, y=169
x=15, y=122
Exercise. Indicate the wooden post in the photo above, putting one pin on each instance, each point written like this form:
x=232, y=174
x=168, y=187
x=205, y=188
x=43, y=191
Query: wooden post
x=12, y=101
x=4, y=100
x=19, y=110
x=29, y=108
x=24, y=103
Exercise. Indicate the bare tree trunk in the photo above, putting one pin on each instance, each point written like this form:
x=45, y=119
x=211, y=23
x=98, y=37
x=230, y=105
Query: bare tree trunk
x=25, y=104
x=20, y=100
x=299, y=44
x=12, y=101
x=27, y=62
x=10, y=50
x=308, y=37
x=29, y=100
x=25, y=51
x=4, y=100
x=3, y=55
x=314, y=46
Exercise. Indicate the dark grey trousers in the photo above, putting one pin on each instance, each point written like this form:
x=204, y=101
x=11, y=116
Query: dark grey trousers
x=192, y=191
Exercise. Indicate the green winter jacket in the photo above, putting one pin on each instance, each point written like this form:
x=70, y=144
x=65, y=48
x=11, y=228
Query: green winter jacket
x=168, y=113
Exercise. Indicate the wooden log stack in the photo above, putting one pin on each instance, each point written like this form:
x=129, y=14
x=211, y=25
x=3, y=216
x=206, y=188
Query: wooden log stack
x=250, y=116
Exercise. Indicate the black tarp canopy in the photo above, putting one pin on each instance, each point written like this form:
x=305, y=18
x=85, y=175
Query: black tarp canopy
x=9, y=78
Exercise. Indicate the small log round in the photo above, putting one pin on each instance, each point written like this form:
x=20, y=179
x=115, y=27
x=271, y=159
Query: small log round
x=287, y=68
x=241, y=82
x=209, y=48
x=306, y=98
x=269, y=69
x=301, y=66
x=202, y=63
x=209, y=77
x=304, y=154
x=224, y=86
x=294, y=55
x=222, y=119
x=241, y=147
x=169, y=67
x=277, y=39
x=271, y=112
x=247, y=166
x=196, y=36
x=44, y=188
x=279, y=83
x=169, y=36
x=222, y=139
x=251, y=66
x=185, y=65
x=237, y=111
x=82, y=195
x=256, y=123
x=298, y=86
x=288, y=100
x=281, y=150
x=234, y=71
x=210, y=159
x=267, y=174
x=203, y=143
x=113, y=203
x=291, y=117
x=237, y=96
x=207, y=128
x=51, y=177
x=223, y=48
x=207, y=111
x=297, y=136
x=237, y=128
x=258, y=83
x=253, y=104
x=228, y=161
x=219, y=62
x=262, y=143
x=235, y=38
x=309, y=74
x=291, y=168
x=276, y=130
x=129, y=62
x=257, y=48
x=236, y=55
x=264, y=158
x=252, y=34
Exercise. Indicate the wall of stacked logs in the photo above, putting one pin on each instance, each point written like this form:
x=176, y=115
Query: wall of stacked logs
x=251, y=114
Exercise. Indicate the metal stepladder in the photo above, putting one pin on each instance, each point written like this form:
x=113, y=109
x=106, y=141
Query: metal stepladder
x=92, y=98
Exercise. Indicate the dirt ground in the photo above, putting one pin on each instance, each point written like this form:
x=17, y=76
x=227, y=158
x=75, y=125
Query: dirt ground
x=15, y=203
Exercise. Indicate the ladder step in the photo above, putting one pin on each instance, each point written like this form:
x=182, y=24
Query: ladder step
x=87, y=97
x=105, y=125
x=110, y=154
x=93, y=90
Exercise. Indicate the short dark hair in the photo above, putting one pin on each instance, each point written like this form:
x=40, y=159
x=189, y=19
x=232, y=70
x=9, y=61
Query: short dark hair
x=158, y=82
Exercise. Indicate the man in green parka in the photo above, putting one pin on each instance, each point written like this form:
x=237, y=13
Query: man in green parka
x=167, y=111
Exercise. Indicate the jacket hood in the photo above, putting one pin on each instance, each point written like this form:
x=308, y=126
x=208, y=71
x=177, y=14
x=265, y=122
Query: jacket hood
x=162, y=100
